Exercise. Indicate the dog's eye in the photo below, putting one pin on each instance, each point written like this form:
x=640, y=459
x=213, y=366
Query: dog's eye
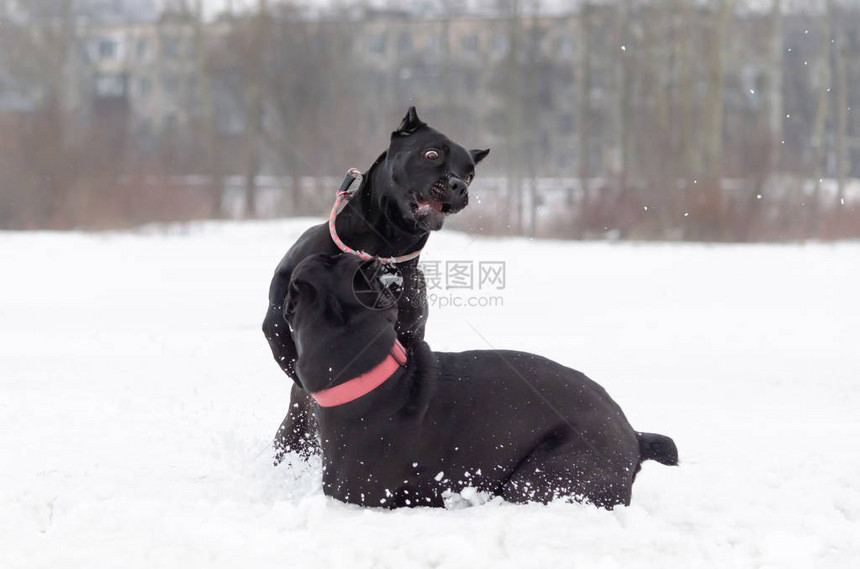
x=431, y=155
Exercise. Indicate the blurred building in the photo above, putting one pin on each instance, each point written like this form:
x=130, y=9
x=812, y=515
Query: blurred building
x=497, y=79
x=151, y=68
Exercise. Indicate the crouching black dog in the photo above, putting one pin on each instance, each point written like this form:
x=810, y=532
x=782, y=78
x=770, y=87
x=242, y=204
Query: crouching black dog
x=408, y=192
x=401, y=426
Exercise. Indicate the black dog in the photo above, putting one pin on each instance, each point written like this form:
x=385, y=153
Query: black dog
x=406, y=193
x=401, y=432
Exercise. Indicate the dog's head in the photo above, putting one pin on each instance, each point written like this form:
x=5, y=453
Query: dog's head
x=337, y=335
x=428, y=174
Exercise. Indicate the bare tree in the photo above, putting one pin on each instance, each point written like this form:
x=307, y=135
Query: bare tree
x=212, y=138
x=712, y=203
x=513, y=99
x=531, y=118
x=689, y=128
x=763, y=165
x=654, y=141
x=584, y=96
x=625, y=100
x=447, y=64
x=774, y=84
x=254, y=107
x=823, y=84
x=841, y=107
x=38, y=54
x=298, y=96
x=670, y=99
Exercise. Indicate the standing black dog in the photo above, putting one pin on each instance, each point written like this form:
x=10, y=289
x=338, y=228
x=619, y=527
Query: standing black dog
x=407, y=193
x=399, y=427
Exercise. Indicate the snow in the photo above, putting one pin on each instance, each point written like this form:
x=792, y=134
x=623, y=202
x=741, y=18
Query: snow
x=139, y=397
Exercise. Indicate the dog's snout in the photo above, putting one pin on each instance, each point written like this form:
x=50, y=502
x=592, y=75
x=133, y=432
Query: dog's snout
x=458, y=186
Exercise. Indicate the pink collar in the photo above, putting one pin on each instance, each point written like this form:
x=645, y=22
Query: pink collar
x=344, y=195
x=365, y=383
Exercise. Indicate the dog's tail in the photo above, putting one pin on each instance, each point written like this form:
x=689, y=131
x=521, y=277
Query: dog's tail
x=657, y=447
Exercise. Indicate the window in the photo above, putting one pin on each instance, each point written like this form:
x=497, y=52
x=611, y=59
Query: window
x=377, y=44
x=564, y=161
x=144, y=87
x=142, y=49
x=171, y=85
x=435, y=45
x=470, y=84
x=565, y=123
x=470, y=44
x=193, y=88
x=107, y=49
x=499, y=47
x=171, y=47
x=110, y=85
x=851, y=36
x=565, y=46
x=404, y=44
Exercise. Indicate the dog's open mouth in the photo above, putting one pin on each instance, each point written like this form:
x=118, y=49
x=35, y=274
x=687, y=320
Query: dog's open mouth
x=429, y=214
x=424, y=206
x=435, y=199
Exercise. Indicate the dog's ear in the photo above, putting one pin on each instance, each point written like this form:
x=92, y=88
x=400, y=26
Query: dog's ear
x=478, y=155
x=296, y=291
x=410, y=123
x=290, y=302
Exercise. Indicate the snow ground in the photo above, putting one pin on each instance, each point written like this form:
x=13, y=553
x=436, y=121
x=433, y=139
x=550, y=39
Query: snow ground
x=139, y=397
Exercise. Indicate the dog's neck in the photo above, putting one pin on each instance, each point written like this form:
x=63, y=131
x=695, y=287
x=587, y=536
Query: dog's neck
x=371, y=223
x=361, y=385
x=401, y=388
x=330, y=353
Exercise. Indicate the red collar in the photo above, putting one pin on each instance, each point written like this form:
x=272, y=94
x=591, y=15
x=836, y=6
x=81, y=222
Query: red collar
x=365, y=383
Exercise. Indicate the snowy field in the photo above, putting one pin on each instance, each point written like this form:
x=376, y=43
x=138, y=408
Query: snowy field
x=139, y=397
